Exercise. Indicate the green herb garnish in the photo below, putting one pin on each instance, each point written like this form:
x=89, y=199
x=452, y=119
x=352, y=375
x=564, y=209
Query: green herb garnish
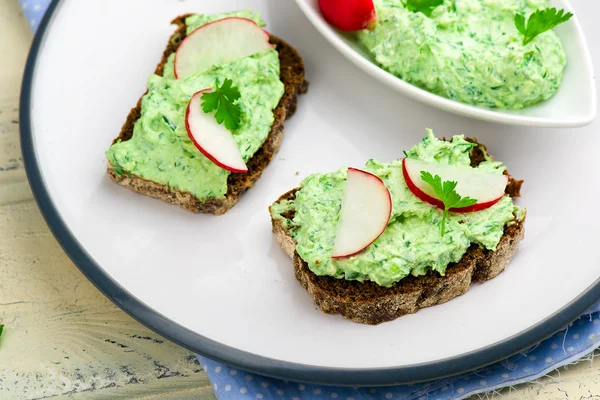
x=117, y=169
x=169, y=123
x=447, y=194
x=539, y=22
x=1, y=329
x=423, y=6
x=222, y=99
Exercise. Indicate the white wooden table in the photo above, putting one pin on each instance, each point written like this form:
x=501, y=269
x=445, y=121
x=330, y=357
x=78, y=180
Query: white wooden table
x=63, y=338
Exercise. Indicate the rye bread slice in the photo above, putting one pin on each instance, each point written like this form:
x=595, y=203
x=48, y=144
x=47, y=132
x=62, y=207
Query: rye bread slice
x=292, y=76
x=368, y=303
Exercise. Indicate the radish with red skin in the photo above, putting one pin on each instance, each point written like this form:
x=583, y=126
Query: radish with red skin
x=211, y=138
x=486, y=187
x=220, y=42
x=365, y=213
x=349, y=15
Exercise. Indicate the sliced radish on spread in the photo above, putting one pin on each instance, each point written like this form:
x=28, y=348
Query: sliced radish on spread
x=211, y=138
x=488, y=188
x=219, y=42
x=366, y=210
x=349, y=15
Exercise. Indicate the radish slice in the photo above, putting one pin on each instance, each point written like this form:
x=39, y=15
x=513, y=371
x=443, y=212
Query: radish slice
x=366, y=211
x=212, y=138
x=486, y=187
x=219, y=42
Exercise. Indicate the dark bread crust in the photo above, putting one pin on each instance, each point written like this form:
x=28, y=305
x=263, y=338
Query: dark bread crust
x=291, y=74
x=368, y=303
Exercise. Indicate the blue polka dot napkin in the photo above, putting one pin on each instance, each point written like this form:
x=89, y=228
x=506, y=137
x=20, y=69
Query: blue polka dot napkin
x=565, y=347
x=34, y=10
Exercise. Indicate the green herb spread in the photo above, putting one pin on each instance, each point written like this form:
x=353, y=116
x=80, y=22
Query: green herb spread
x=160, y=149
x=469, y=51
x=411, y=243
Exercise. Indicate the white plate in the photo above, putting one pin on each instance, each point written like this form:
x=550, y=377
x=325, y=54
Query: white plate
x=573, y=105
x=221, y=285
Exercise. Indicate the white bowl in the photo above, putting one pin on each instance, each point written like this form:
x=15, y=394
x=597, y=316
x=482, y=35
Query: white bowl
x=573, y=105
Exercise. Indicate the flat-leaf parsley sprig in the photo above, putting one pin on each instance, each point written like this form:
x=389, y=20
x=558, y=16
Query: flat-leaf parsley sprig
x=539, y=22
x=423, y=6
x=222, y=99
x=447, y=194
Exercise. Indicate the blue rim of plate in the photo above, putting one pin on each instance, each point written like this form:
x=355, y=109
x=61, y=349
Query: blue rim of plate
x=238, y=358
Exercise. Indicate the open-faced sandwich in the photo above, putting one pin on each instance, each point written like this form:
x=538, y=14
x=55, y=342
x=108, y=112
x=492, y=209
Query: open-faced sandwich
x=212, y=117
x=381, y=242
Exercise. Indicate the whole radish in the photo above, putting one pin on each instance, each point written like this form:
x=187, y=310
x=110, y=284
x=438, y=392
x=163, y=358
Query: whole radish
x=349, y=15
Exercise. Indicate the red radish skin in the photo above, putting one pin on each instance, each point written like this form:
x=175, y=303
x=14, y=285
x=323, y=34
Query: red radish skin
x=349, y=15
x=389, y=199
x=189, y=38
x=438, y=203
x=200, y=148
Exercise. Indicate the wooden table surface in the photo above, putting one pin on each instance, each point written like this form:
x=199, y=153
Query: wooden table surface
x=63, y=338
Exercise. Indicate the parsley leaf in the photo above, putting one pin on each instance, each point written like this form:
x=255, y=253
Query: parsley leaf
x=423, y=6
x=539, y=22
x=1, y=329
x=447, y=194
x=222, y=99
